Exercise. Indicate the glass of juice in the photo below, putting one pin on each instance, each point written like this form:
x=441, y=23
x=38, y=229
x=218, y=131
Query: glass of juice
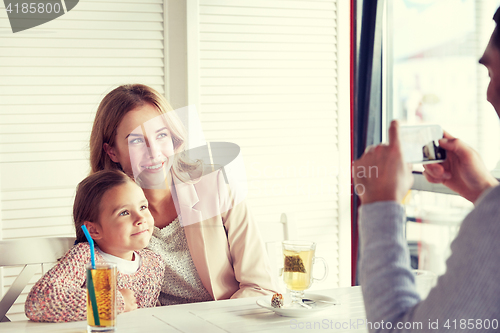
x=101, y=297
x=297, y=268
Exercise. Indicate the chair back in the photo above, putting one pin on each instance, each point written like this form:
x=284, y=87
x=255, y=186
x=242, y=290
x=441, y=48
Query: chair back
x=30, y=253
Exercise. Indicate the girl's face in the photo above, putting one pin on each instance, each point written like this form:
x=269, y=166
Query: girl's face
x=144, y=147
x=125, y=222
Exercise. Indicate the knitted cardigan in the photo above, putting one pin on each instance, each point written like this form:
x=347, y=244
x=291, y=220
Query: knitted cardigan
x=61, y=294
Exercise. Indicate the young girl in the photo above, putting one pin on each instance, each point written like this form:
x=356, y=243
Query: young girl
x=115, y=211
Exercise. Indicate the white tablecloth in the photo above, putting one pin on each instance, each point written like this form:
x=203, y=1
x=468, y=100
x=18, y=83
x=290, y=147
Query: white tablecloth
x=228, y=316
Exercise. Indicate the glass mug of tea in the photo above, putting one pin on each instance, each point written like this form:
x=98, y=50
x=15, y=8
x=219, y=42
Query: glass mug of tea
x=298, y=266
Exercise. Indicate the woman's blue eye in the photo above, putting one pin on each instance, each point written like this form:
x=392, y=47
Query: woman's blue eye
x=136, y=141
x=124, y=213
x=161, y=135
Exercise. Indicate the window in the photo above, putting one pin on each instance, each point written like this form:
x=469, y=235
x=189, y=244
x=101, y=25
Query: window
x=431, y=75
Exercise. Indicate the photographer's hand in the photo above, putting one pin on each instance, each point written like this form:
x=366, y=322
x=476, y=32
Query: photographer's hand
x=381, y=174
x=463, y=171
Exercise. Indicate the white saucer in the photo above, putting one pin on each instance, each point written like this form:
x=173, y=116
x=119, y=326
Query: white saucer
x=300, y=311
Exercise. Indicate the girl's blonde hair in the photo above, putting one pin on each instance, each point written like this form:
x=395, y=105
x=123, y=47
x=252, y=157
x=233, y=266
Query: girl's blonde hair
x=89, y=193
x=114, y=106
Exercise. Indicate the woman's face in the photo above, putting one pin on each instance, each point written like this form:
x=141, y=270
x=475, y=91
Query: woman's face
x=491, y=60
x=144, y=147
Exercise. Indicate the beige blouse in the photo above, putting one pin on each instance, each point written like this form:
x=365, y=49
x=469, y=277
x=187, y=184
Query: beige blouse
x=181, y=283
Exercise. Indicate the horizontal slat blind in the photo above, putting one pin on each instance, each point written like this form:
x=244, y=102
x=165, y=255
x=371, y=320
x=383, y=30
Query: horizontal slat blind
x=52, y=78
x=267, y=81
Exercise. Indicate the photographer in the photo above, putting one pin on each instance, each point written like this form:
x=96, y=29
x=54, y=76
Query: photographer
x=468, y=293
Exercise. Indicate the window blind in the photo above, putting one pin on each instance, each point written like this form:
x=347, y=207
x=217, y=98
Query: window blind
x=267, y=78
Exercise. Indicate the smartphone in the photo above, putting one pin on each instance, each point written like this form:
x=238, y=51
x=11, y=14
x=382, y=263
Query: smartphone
x=420, y=144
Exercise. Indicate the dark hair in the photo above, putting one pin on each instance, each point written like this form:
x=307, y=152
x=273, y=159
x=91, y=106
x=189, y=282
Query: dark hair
x=496, y=35
x=89, y=193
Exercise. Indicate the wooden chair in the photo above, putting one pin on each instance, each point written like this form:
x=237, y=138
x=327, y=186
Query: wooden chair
x=30, y=253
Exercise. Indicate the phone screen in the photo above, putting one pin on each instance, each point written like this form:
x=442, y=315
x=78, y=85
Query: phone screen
x=420, y=144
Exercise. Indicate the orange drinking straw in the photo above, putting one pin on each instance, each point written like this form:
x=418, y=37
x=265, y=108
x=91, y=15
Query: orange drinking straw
x=90, y=282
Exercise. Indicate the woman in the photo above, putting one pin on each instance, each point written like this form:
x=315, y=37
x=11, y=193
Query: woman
x=211, y=244
x=467, y=296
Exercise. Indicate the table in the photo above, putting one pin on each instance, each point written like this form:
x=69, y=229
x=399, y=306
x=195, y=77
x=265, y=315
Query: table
x=227, y=316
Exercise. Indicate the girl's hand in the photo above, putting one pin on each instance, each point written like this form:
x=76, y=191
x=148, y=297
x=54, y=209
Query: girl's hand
x=381, y=174
x=130, y=301
x=463, y=171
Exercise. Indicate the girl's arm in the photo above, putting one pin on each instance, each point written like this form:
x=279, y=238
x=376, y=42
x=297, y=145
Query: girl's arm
x=61, y=294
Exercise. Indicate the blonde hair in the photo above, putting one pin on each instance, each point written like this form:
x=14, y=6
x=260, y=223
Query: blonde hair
x=113, y=108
